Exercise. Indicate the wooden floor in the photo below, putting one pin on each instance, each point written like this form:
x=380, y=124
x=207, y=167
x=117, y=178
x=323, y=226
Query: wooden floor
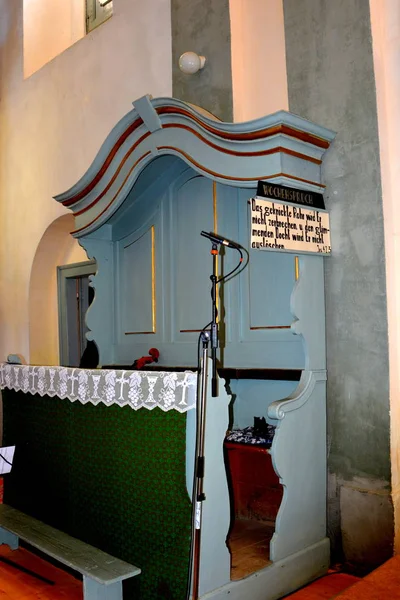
x=381, y=584
x=15, y=584
x=326, y=587
x=249, y=546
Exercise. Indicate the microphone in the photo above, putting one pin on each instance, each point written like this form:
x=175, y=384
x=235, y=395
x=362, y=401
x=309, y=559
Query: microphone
x=218, y=239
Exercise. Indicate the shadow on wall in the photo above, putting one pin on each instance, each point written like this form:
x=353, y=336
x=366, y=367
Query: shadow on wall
x=57, y=247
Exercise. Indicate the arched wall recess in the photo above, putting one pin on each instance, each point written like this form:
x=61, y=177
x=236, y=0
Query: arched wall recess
x=55, y=248
x=197, y=173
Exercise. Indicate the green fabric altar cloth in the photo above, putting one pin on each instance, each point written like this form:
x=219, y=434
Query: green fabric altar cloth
x=108, y=475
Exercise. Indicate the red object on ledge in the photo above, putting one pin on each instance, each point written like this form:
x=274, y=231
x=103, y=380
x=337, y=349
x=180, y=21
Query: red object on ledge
x=257, y=493
x=154, y=355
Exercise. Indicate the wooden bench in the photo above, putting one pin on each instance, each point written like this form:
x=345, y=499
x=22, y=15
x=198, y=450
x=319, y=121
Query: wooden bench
x=102, y=574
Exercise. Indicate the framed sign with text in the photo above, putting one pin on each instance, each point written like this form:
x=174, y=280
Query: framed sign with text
x=287, y=227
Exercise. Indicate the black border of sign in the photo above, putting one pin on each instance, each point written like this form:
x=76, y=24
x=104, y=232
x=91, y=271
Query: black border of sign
x=288, y=194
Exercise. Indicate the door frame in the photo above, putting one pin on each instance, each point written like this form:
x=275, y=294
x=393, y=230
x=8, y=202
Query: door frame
x=65, y=272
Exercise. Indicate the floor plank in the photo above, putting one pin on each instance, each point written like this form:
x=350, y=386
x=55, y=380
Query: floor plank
x=251, y=551
x=325, y=588
x=18, y=585
x=381, y=584
x=249, y=546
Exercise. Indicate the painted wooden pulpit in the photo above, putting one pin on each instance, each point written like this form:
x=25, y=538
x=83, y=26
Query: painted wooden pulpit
x=167, y=171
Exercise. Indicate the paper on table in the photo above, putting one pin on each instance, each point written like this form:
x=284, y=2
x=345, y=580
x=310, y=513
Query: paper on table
x=6, y=459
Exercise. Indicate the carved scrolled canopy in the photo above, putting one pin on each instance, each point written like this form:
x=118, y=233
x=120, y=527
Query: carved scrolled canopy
x=167, y=171
x=281, y=147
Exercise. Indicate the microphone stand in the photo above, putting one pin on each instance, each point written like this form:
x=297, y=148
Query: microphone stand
x=206, y=337
x=198, y=496
x=214, y=323
x=198, y=491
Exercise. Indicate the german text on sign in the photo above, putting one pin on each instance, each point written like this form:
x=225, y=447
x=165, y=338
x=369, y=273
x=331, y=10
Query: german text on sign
x=285, y=227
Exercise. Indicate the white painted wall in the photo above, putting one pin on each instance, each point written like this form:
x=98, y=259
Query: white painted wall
x=50, y=27
x=259, y=75
x=57, y=247
x=385, y=22
x=52, y=125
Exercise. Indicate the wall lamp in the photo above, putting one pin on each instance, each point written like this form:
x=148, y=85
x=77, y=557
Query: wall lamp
x=190, y=62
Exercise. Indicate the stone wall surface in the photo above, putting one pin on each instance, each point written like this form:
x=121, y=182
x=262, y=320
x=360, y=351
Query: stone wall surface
x=203, y=26
x=331, y=81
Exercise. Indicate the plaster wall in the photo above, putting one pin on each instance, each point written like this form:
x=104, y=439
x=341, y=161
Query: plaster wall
x=50, y=27
x=244, y=45
x=331, y=81
x=52, y=125
x=57, y=247
x=385, y=21
x=259, y=78
x=203, y=26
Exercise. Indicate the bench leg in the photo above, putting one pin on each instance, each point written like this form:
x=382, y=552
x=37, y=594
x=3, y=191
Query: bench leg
x=6, y=537
x=92, y=590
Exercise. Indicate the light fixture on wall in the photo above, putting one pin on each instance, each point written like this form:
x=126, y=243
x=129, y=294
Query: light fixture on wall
x=190, y=62
x=104, y=2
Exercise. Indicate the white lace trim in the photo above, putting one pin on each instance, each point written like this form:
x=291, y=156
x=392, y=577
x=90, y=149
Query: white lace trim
x=137, y=389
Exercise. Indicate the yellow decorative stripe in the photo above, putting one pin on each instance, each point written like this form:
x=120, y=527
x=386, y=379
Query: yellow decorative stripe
x=153, y=277
x=272, y=327
x=215, y=214
x=112, y=199
x=215, y=207
x=153, y=288
x=231, y=178
x=138, y=332
x=296, y=268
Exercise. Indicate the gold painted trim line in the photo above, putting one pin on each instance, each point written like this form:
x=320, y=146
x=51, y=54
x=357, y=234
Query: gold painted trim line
x=190, y=159
x=271, y=327
x=153, y=286
x=251, y=135
x=296, y=268
x=114, y=177
x=153, y=277
x=274, y=150
x=229, y=177
x=321, y=185
x=139, y=332
x=105, y=165
x=112, y=199
x=215, y=214
x=254, y=135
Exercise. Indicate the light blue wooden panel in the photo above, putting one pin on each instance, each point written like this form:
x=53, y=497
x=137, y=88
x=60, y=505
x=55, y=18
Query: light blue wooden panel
x=253, y=306
x=192, y=212
x=137, y=291
x=147, y=268
x=257, y=301
x=267, y=283
x=271, y=280
x=138, y=284
x=146, y=195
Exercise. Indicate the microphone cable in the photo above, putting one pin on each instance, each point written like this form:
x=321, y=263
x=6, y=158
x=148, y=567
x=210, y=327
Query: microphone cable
x=194, y=486
x=194, y=500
